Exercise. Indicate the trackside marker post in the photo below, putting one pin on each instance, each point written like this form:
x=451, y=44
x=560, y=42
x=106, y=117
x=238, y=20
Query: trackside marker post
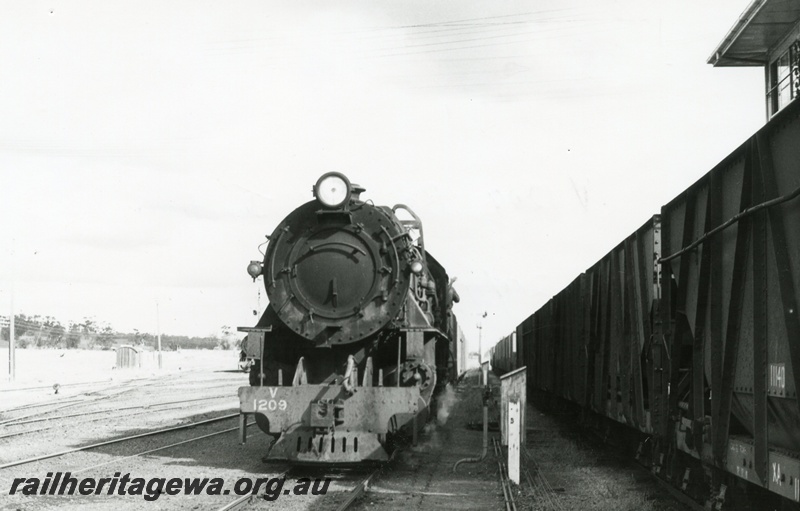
x=512, y=388
x=513, y=440
x=512, y=417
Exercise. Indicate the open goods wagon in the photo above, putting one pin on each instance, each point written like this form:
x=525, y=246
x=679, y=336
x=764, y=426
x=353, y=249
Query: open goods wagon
x=730, y=318
x=686, y=335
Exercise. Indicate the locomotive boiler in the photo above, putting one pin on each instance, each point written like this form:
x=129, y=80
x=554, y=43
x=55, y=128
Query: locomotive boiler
x=358, y=334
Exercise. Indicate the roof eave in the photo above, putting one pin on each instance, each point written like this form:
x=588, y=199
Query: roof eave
x=718, y=57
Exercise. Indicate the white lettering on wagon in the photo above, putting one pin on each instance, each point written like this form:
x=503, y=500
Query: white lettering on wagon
x=776, y=474
x=273, y=391
x=738, y=448
x=777, y=376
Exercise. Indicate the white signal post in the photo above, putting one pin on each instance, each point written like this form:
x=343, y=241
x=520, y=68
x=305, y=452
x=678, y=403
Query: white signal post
x=514, y=424
x=512, y=417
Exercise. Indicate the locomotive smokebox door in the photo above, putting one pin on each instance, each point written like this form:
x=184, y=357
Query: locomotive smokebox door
x=338, y=276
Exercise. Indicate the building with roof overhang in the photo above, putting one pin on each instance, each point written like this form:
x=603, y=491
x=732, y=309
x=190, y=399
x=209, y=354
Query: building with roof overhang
x=766, y=34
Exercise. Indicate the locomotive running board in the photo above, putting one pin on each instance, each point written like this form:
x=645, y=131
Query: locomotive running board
x=324, y=423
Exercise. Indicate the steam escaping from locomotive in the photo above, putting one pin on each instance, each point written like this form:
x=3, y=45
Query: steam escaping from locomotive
x=358, y=337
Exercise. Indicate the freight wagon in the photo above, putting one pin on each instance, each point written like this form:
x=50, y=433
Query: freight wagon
x=683, y=342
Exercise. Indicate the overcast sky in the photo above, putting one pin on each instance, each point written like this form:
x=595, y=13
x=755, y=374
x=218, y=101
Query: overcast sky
x=146, y=148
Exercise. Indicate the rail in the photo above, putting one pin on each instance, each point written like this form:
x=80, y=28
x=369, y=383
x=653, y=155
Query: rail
x=162, y=448
x=115, y=441
x=505, y=482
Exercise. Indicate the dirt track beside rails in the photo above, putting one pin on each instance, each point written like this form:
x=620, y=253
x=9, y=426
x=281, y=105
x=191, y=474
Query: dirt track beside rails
x=568, y=473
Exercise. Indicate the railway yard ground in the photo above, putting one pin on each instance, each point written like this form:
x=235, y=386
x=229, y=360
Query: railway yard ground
x=182, y=423
x=564, y=469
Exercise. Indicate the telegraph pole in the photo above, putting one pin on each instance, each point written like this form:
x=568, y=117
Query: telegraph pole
x=480, y=345
x=12, y=359
x=480, y=350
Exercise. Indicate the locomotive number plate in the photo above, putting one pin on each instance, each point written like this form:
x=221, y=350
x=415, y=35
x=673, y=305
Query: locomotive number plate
x=269, y=405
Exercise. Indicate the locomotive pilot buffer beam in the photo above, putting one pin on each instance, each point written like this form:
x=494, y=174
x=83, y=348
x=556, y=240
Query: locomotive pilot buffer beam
x=312, y=420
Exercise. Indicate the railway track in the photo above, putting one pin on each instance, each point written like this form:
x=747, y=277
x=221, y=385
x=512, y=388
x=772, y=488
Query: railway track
x=505, y=482
x=65, y=452
x=70, y=385
x=143, y=449
x=540, y=487
x=359, y=490
x=244, y=501
x=10, y=421
x=78, y=398
x=37, y=430
x=18, y=422
x=156, y=407
x=360, y=486
x=157, y=449
x=173, y=381
x=92, y=398
x=88, y=396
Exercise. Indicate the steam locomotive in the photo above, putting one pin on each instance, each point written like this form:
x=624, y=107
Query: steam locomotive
x=359, y=334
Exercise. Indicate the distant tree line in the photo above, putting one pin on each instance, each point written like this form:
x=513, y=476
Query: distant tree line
x=48, y=332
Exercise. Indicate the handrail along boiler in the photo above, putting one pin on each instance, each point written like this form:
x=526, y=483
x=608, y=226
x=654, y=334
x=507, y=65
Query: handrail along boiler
x=358, y=331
